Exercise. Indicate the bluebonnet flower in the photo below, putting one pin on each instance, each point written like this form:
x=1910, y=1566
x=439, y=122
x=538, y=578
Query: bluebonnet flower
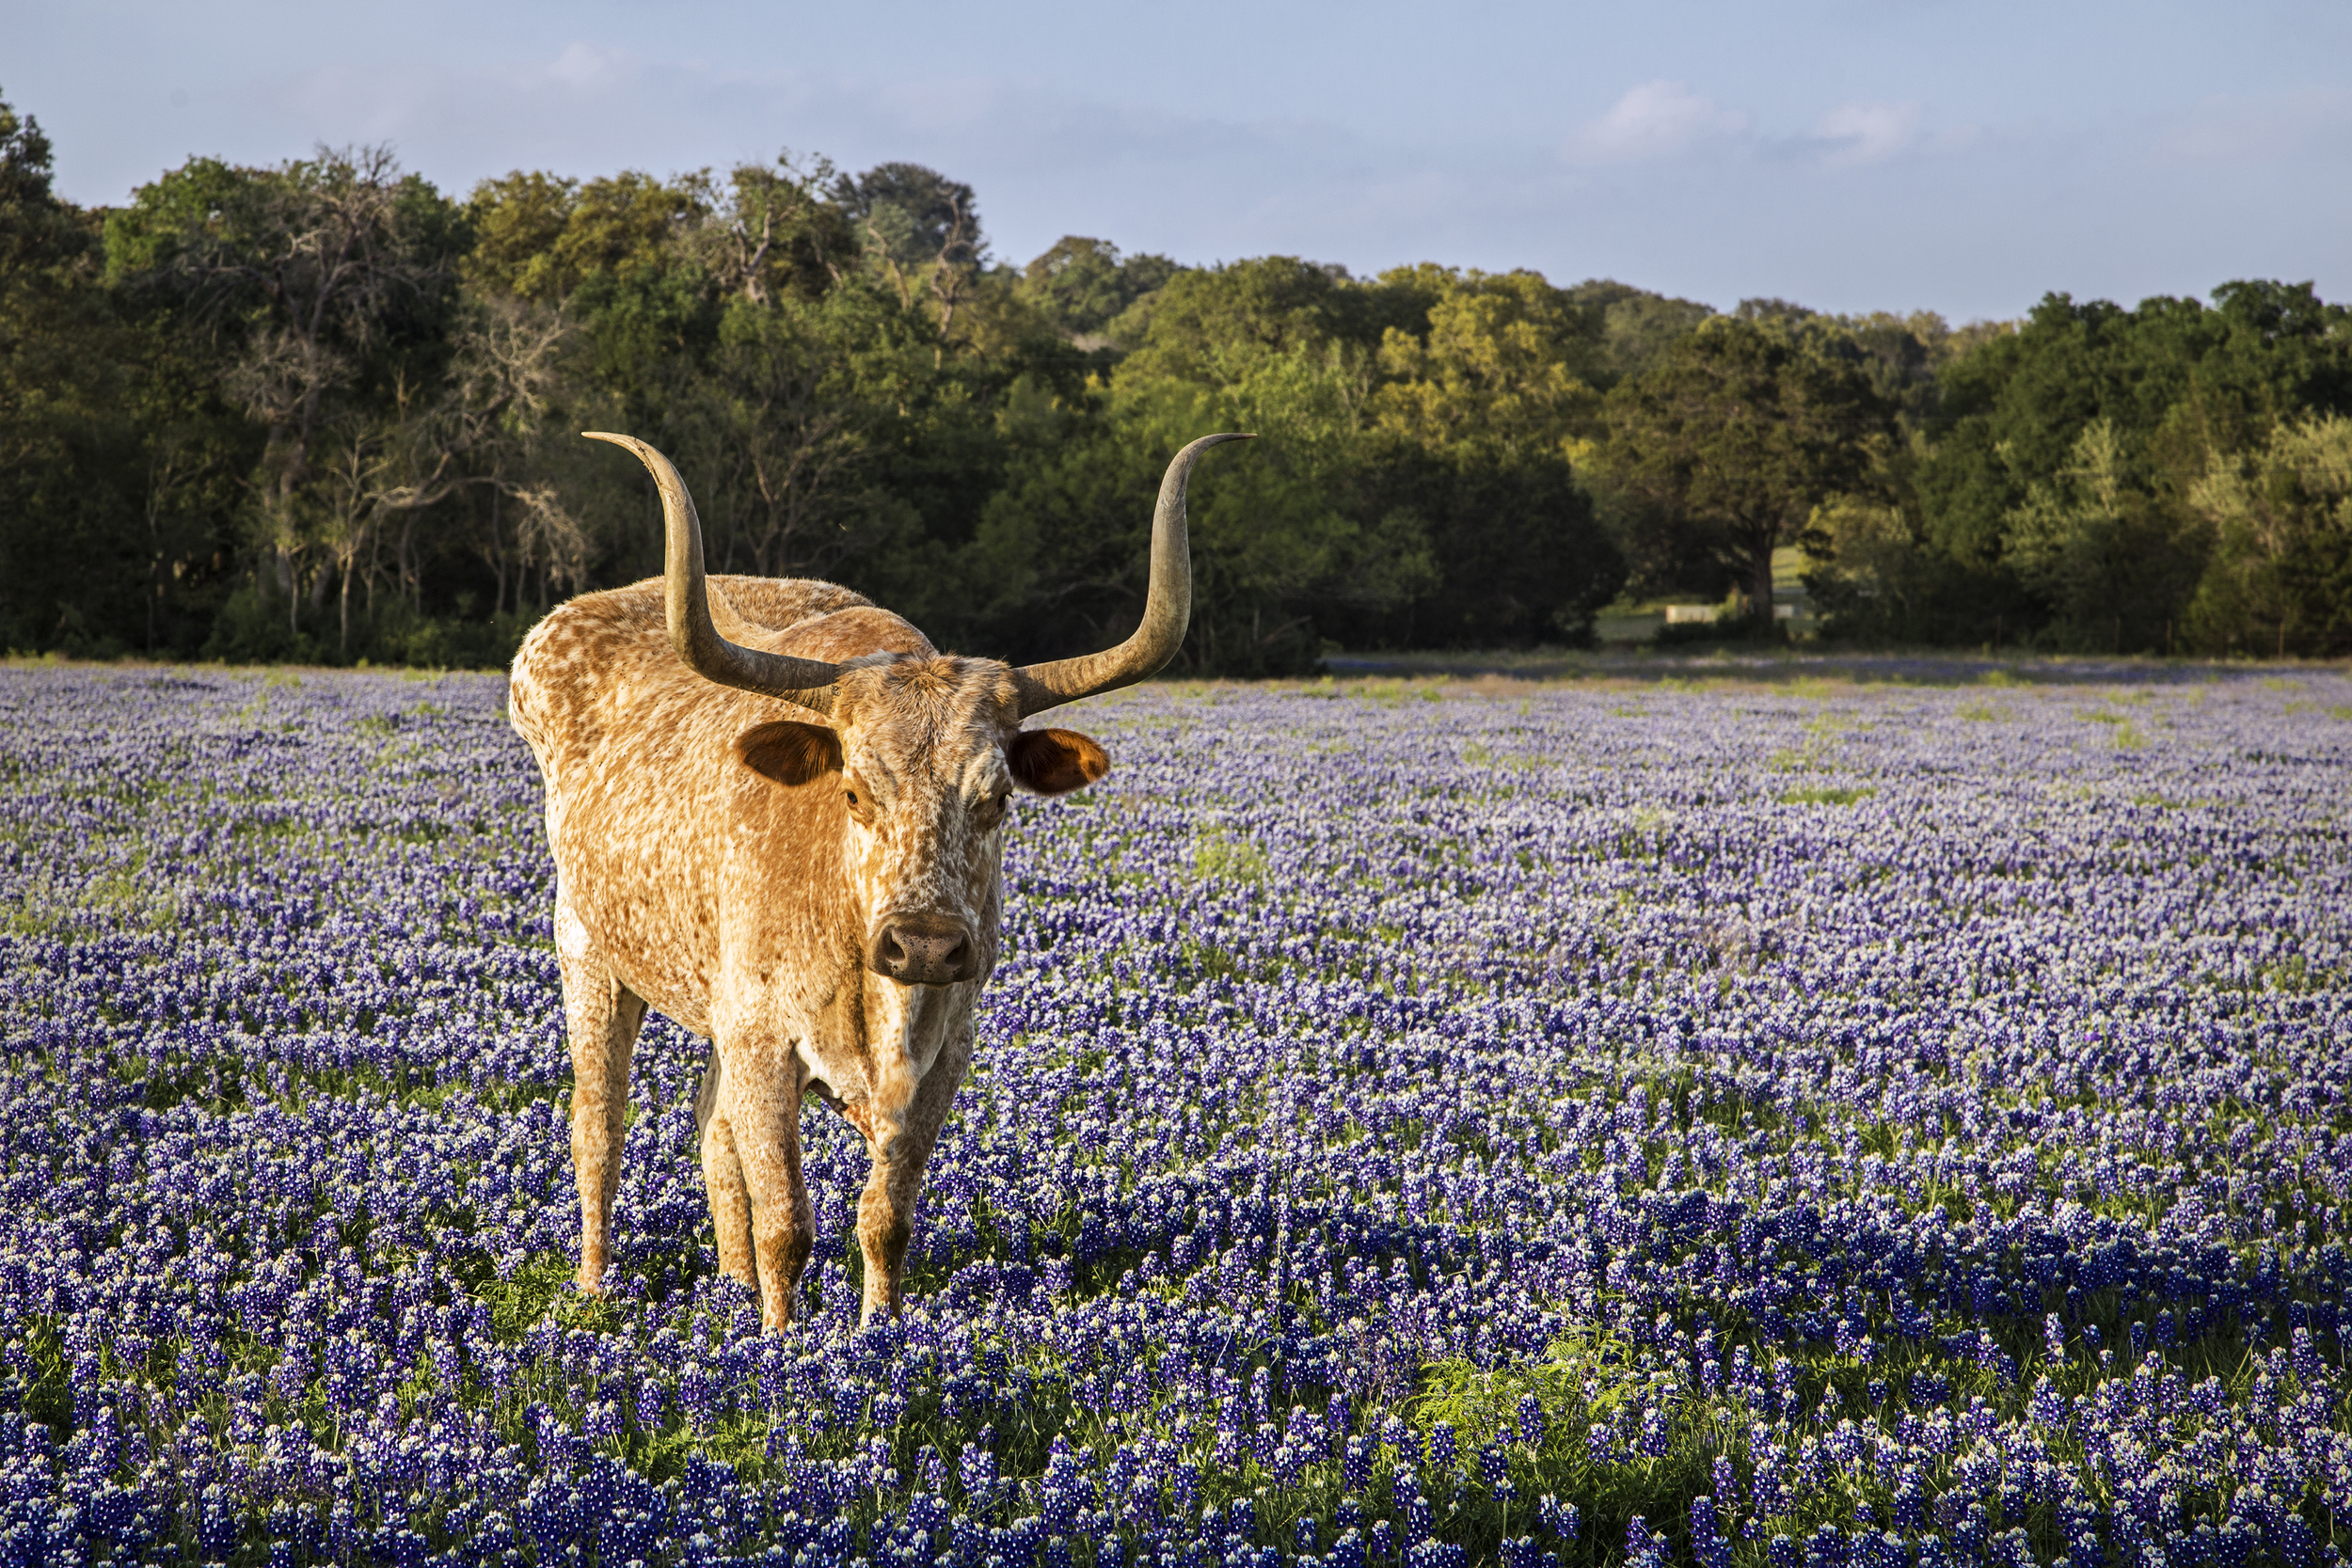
x=1643, y=1546
x=2038, y=1032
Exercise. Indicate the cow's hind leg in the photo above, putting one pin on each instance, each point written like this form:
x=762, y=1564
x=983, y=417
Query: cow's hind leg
x=762, y=1112
x=723, y=1178
x=602, y=1017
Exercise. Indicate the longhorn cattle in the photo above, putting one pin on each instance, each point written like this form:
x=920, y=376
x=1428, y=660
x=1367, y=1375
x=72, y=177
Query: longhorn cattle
x=778, y=814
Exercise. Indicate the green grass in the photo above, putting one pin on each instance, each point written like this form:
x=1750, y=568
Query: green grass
x=1220, y=856
x=1825, y=796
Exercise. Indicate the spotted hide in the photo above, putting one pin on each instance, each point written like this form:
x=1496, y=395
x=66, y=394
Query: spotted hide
x=778, y=815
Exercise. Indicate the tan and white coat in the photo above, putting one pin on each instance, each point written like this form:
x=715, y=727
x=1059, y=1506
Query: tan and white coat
x=778, y=814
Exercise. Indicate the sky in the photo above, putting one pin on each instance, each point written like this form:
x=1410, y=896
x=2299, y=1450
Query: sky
x=1849, y=154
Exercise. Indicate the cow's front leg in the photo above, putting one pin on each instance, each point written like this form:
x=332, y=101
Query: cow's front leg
x=723, y=1178
x=601, y=1016
x=760, y=1101
x=899, y=1147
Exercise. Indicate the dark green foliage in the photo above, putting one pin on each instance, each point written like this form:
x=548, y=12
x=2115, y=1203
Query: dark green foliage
x=1081, y=286
x=1212, y=325
x=1524, y=562
x=114, y=462
x=319, y=411
x=1058, y=565
x=1726, y=445
x=1635, y=326
x=2063, y=457
x=2281, y=577
x=916, y=214
x=334, y=419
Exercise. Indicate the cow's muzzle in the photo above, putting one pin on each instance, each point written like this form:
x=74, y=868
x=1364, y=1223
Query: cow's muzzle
x=923, y=950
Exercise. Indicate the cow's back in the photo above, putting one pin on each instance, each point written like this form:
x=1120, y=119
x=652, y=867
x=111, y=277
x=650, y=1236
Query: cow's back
x=590, y=668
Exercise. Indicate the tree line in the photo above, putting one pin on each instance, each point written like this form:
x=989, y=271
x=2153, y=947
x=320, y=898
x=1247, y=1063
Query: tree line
x=323, y=411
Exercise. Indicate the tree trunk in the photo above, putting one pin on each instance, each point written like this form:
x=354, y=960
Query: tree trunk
x=1761, y=588
x=294, y=593
x=411, y=577
x=497, y=560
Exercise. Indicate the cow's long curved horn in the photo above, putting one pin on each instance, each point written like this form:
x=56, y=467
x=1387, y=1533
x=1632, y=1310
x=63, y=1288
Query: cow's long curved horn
x=1166, y=608
x=806, y=682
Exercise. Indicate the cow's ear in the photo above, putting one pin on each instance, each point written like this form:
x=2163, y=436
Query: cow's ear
x=789, y=752
x=1054, y=762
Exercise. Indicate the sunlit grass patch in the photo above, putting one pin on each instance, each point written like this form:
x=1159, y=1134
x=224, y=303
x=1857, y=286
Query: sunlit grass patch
x=1220, y=855
x=1826, y=796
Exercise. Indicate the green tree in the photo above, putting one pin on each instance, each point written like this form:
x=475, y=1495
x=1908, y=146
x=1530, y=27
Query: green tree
x=478, y=443
x=772, y=232
x=1866, y=572
x=2177, y=384
x=120, y=468
x=58, y=518
x=2279, y=579
x=1213, y=325
x=1060, y=558
x=518, y=221
x=1081, y=285
x=1495, y=368
x=779, y=424
x=2177, y=381
x=322, y=378
x=324, y=286
x=1631, y=328
x=1416, y=486
x=2113, y=565
x=541, y=237
x=1484, y=420
x=1728, y=443
x=921, y=231
x=1514, y=554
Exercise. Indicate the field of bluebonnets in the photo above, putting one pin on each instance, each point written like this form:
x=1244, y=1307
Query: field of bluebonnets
x=1795, y=1123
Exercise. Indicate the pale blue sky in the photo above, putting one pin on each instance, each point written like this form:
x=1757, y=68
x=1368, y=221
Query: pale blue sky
x=1852, y=154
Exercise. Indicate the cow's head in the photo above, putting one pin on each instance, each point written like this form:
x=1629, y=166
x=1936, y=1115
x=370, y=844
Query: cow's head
x=921, y=755
x=922, y=750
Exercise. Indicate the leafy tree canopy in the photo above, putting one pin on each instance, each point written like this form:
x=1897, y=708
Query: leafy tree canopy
x=912, y=214
x=1081, y=286
x=1496, y=368
x=1736, y=435
x=321, y=410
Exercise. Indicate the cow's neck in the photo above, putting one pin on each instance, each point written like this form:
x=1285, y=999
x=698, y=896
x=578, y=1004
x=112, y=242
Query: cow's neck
x=877, y=1042
x=906, y=1028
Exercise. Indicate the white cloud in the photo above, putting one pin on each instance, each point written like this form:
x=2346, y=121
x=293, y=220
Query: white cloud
x=584, y=65
x=1656, y=119
x=1867, y=133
